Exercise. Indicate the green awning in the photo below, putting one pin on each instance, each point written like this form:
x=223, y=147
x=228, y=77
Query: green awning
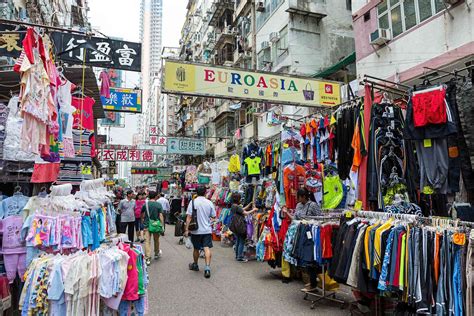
x=350, y=59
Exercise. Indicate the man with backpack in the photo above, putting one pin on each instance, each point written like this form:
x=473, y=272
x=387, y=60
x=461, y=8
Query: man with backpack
x=198, y=221
x=153, y=221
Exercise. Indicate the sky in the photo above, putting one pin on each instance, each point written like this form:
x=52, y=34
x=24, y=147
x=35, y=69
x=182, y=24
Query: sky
x=121, y=18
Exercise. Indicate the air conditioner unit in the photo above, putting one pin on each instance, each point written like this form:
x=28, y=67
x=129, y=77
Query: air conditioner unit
x=265, y=44
x=260, y=6
x=380, y=37
x=235, y=30
x=248, y=54
x=204, y=18
x=274, y=36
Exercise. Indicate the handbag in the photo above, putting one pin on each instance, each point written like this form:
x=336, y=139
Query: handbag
x=179, y=229
x=154, y=225
x=193, y=225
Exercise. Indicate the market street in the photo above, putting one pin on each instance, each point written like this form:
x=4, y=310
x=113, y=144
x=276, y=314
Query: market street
x=233, y=289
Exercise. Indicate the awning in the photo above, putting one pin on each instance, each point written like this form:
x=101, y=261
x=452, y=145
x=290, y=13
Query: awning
x=350, y=59
x=10, y=83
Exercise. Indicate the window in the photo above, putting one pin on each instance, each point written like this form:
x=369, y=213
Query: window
x=401, y=15
x=410, y=14
x=396, y=18
x=367, y=16
x=264, y=57
x=425, y=9
x=282, y=43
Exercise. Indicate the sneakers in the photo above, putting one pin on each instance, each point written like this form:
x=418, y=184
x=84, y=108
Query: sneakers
x=309, y=288
x=158, y=256
x=207, y=272
x=193, y=267
x=148, y=262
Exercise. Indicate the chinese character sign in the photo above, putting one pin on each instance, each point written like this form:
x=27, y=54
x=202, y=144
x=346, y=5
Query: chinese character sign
x=135, y=155
x=154, y=131
x=97, y=51
x=11, y=42
x=186, y=146
x=123, y=100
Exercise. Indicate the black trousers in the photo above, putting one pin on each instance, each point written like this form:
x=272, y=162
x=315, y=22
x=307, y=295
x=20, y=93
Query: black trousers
x=131, y=230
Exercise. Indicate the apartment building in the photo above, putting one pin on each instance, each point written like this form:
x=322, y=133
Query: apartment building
x=289, y=36
x=387, y=34
x=300, y=37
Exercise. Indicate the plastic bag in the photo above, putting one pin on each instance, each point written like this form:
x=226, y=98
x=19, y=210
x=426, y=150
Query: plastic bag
x=188, y=243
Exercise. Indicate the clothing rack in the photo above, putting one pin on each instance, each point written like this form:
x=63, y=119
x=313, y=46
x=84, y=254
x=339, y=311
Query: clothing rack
x=382, y=87
x=435, y=221
x=324, y=294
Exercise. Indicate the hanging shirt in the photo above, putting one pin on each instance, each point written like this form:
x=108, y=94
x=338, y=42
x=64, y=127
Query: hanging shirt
x=253, y=165
x=11, y=229
x=293, y=178
x=104, y=84
x=83, y=115
x=13, y=205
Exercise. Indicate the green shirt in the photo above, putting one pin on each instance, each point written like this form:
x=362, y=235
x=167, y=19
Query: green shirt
x=154, y=208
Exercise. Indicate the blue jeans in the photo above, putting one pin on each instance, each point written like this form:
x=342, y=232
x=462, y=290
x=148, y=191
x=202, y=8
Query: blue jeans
x=124, y=306
x=239, y=247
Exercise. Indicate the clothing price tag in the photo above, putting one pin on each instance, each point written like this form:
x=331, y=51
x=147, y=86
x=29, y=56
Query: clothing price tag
x=459, y=239
x=308, y=234
x=427, y=142
x=358, y=205
x=348, y=214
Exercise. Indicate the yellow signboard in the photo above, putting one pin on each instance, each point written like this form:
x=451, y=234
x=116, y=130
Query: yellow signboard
x=240, y=84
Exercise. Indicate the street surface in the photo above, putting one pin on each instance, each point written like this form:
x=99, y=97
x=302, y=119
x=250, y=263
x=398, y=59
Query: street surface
x=233, y=289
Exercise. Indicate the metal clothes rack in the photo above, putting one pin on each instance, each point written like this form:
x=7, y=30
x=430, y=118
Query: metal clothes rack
x=323, y=294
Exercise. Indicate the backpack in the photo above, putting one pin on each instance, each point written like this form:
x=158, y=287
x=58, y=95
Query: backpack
x=238, y=226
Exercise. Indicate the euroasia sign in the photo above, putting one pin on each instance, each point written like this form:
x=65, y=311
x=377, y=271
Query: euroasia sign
x=239, y=84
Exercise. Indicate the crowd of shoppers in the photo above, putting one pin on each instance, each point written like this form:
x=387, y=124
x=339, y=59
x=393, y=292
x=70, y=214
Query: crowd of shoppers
x=136, y=211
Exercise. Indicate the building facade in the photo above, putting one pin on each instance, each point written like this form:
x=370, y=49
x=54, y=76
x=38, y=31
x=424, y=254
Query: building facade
x=385, y=36
x=288, y=36
x=300, y=37
x=151, y=24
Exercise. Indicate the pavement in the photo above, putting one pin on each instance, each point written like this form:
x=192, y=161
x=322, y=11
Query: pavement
x=234, y=288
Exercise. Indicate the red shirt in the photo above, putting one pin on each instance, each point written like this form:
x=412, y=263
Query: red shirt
x=86, y=118
x=293, y=179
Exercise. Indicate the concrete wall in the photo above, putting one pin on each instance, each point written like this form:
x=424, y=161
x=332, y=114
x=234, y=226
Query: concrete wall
x=445, y=41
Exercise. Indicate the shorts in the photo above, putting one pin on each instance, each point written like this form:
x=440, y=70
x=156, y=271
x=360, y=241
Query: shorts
x=139, y=224
x=201, y=241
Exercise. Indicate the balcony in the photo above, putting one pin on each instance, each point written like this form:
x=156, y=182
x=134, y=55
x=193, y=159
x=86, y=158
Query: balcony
x=248, y=131
x=218, y=9
x=224, y=36
x=307, y=8
x=241, y=6
x=221, y=149
x=222, y=110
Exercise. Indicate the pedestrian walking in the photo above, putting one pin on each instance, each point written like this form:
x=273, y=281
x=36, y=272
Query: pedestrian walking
x=238, y=225
x=140, y=201
x=165, y=204
x=126, y=209
x=153, y=219
x=200, y=212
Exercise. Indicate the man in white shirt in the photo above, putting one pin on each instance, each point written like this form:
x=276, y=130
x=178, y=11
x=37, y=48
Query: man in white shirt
x=165, y=204
x=202, y=237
